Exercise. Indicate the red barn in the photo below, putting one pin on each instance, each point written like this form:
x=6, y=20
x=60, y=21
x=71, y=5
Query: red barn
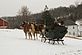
x=3, y=23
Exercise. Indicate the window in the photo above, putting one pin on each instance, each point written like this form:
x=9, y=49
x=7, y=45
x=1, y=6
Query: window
x=73, y=27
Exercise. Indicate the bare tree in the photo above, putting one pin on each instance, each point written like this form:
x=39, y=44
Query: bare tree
x=24, y=13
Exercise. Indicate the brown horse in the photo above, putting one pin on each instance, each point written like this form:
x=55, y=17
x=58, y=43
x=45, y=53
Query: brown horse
x=32, y=28
x=27, y=29
x=39, y=29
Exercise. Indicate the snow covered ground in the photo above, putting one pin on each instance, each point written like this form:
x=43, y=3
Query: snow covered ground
x=12, y=42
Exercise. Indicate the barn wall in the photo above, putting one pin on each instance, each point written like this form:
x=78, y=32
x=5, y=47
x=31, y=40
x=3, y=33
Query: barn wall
x=3, y=24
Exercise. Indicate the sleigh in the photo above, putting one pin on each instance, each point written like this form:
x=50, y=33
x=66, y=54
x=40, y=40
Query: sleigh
x=57, y=34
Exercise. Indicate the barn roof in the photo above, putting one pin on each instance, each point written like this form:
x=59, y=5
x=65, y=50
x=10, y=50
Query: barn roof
x=3, y=19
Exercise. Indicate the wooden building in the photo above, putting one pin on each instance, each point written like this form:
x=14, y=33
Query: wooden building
x=3, y=24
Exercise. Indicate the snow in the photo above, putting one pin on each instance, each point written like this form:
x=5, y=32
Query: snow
x=13, y=42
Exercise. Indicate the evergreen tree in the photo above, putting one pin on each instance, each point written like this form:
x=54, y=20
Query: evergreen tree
x=47, y=19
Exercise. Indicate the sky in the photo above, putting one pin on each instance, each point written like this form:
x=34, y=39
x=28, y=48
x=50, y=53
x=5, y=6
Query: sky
x=11, y=7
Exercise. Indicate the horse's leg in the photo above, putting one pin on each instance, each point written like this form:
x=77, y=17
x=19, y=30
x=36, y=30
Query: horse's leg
x=30, y=35
x=34, y=35
x=26, y=35
x=40, y=34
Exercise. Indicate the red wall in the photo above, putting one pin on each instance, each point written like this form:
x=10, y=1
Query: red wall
x=2, y=22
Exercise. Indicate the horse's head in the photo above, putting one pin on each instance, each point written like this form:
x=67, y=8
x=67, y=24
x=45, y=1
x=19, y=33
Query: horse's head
x=23, y=24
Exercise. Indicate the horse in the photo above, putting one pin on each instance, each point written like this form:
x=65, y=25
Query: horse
x=39, y=29
x=27, y=29
x=32, y=28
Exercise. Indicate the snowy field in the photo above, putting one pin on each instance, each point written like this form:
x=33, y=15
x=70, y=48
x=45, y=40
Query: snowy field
x=13, y=42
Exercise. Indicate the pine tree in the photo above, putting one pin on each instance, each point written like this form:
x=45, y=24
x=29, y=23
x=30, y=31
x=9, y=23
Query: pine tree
x=47, y=19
